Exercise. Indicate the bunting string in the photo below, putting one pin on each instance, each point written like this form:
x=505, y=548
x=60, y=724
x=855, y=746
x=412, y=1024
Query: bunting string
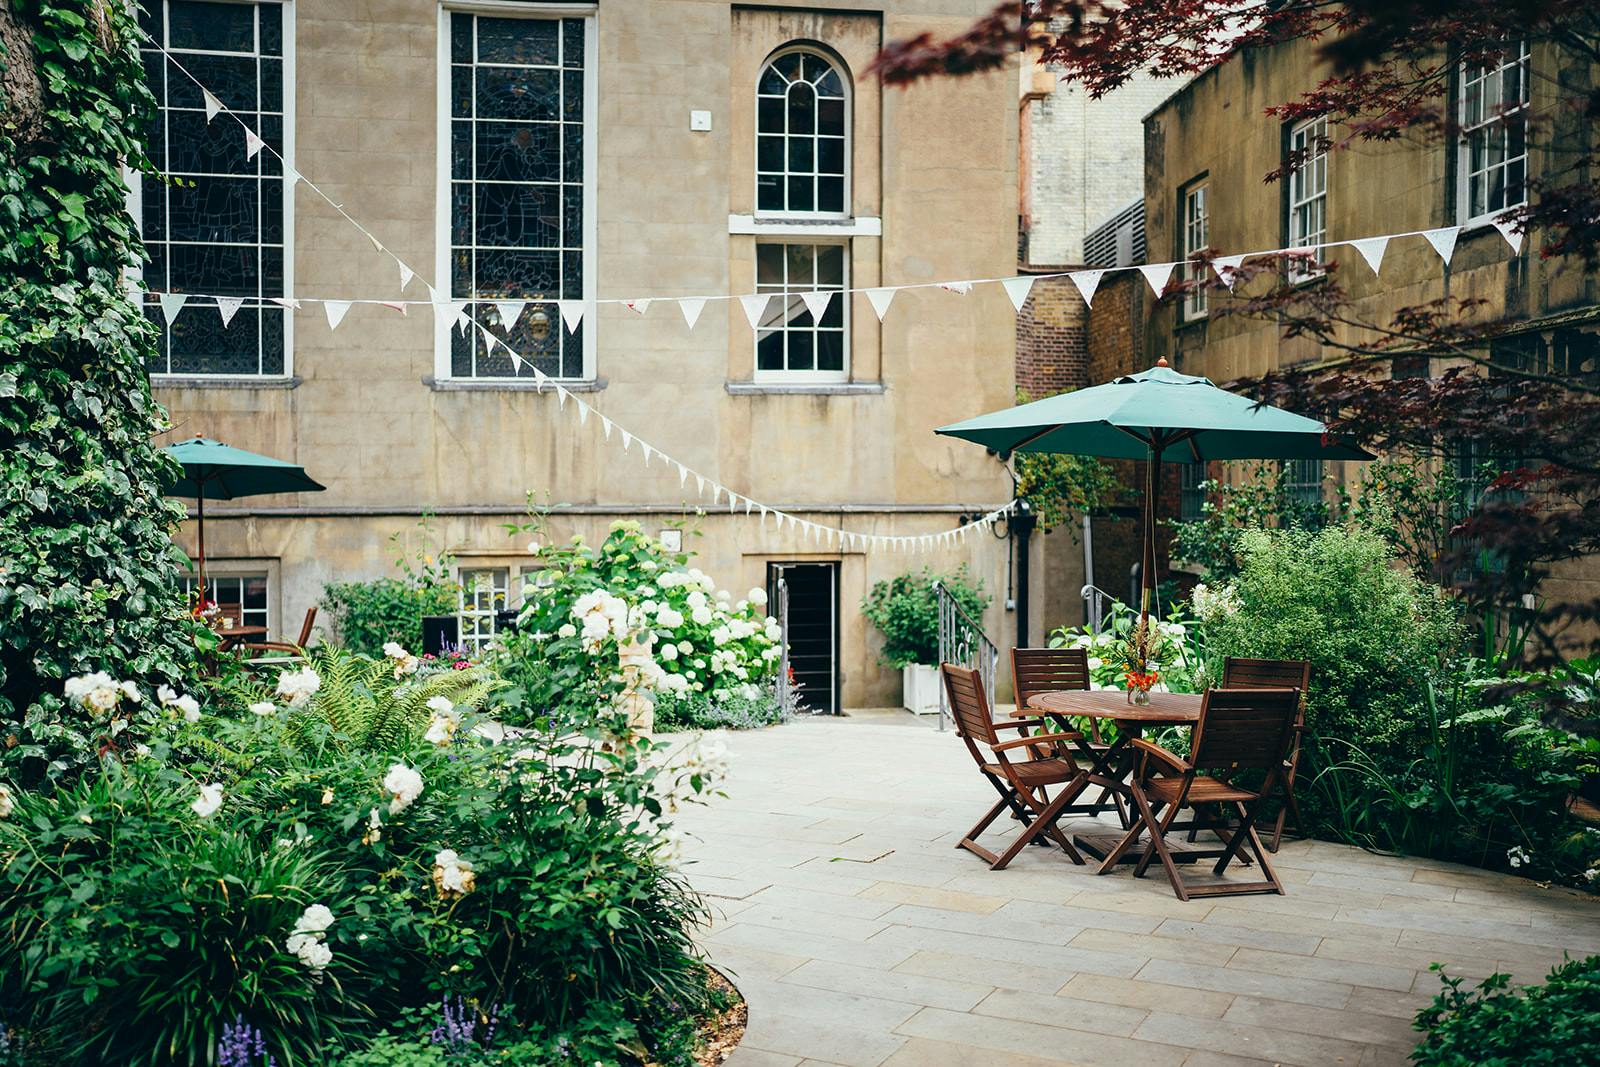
x=458, y=314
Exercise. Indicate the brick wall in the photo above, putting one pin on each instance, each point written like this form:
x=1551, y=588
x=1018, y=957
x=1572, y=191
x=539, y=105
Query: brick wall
x=1052, y=340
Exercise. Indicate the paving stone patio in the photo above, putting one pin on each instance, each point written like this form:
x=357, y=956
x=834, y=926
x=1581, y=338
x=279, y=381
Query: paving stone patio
x=861, y=936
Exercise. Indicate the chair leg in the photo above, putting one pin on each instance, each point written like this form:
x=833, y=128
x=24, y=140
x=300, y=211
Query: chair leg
x=1247, y=834
x=1164, y=826
x=1137, y=827
x=1158, y=843
x=1044, y=822
x=970, y=841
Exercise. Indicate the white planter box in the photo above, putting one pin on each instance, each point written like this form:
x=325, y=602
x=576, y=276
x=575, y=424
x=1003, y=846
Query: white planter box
x=919, y=689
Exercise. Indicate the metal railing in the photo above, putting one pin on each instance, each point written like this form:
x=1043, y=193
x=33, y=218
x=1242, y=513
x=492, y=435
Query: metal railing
x=1095, y=600
x=962, y=640
x=781, y=612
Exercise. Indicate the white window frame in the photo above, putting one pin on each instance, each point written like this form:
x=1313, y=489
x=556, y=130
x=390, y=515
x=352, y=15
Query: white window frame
x=1305, y=480
x=238, y=570
x=1195, y=238
x=1308, y=195
x=486, y=629
x=842, y=298
x=1488, y=121
x=134, y=276
x=591, y=106
x=849, y=139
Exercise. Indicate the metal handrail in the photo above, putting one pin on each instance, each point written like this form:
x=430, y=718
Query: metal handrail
x=1095, y=606
x=962, y=640
x=783, y=690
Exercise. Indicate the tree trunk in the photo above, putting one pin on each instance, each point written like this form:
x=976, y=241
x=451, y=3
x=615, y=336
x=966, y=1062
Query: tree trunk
x=20, y=92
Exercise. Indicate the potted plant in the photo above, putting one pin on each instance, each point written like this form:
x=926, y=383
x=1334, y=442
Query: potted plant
x=906, y=610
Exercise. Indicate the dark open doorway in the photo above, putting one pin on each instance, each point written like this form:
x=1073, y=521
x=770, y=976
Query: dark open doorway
x=813, y=605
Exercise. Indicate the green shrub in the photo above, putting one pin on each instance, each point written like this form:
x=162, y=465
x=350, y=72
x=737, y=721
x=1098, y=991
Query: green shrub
x=368, y=615
x=88, y=572
x=906, y=611
x=1552, y=1024
x=698, y=711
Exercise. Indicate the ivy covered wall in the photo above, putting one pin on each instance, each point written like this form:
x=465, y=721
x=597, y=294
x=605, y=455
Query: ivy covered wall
x=88, y=578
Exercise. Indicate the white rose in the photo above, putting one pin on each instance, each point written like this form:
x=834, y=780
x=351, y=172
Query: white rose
x=263, y=708
x=404, y=784
x=190, y=708
x=440, y=705
x=316, y=919
x=8, y=803
x=567, y=630
x=298, y=686
x=209, y=801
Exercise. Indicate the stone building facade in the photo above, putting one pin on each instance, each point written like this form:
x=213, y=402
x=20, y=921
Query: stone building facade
x=551, y=151
x=1208, y=147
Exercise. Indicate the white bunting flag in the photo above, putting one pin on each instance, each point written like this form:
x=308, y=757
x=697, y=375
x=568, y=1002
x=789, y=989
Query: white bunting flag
x=1227, y=268
x=228, y=307
x=683, y=474
x=571, y=313
x=648, y=451
x=700, y=484
x=252, y=143
x=627, y=440
x=540, y=379
x=638, y=307
x=691, y=306
x=1443, y=241
x=561, y=393
x=376, y=244
x=1157, y=275
x=1372, y=249
x=213, y=105
x=292, y=175
x=510, y=311
x=335, y=310
x=1087, y=282
x=406, y=274
x=583, y=413
x=171, y=304
x=517, y=362
x=748, y=504
x=1017, y=289
x=716, y=493
x=1508, y=230
x=879, y=299
x=397, y=305
x=959, y=288
x=816, y=302
x=754, y=308
x=285, y=302
x=605, y=427
x=459, y=309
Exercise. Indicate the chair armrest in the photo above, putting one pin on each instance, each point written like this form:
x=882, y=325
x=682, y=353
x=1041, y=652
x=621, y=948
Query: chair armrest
x=1162, y=755
x=1018, y=724
x=1036, y=739
x=273, y=646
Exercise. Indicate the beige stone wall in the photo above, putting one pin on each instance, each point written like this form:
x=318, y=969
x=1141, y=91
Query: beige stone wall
x=937, y=162
x=1216, y=128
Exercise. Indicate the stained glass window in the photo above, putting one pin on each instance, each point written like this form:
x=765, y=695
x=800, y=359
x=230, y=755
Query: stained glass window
x=801, y=118
x=215, y=221
x=792, y=341
x=517, y=145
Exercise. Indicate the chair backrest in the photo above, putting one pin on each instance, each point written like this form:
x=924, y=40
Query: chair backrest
x=968, y=705
x=1244, y=729
x=1044, y=670
x=305, y=627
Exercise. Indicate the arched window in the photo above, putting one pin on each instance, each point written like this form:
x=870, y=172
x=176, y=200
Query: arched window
x=802, y=140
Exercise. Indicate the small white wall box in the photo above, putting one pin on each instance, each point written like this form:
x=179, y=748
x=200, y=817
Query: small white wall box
x=700, y=121
x=671, y=540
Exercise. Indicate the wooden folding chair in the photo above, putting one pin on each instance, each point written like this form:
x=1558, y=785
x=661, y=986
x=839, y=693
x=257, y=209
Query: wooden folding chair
x=1046, y=670
x=297, y=649
x=1021, y=783
x=1276, y=674
x=1238, y=729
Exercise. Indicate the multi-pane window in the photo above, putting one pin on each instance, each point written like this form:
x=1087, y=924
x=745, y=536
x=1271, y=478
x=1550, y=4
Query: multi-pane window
x=517, y=210
x=483, y=592
x=1302, y=483
x=1195, y=240
x=1308, y=192
x=801, y=143
x=241, y=599
x=791, y=341
x=215, y=221
x=1494, y=146
x=1191, y=491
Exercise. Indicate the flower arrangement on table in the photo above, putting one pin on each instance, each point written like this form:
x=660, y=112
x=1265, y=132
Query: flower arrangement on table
x=1141, y=651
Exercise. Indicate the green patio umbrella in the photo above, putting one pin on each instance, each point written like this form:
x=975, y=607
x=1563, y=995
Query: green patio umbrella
x=1157, y=415
x=215, y=471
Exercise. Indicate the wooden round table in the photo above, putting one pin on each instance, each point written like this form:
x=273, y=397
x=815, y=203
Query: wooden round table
x=1111, y=765
x=1164, y=709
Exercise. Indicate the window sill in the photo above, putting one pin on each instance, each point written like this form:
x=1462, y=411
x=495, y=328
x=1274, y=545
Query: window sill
x=799, y=225
x=218, y=381
x=1190, y=324
x=805, y=388
x=510, y=385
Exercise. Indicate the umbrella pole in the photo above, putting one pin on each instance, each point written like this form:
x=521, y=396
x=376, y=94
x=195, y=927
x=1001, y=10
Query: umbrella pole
x=201, y=520
x=1152, y=501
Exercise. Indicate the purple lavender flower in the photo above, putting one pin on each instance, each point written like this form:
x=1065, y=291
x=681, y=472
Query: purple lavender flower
x=242, y=1045
x=459, y=1024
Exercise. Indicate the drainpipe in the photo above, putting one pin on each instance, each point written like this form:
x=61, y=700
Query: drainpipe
x=1022, y=522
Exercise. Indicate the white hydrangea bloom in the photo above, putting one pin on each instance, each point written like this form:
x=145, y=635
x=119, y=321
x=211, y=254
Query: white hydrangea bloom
x=701, y=616
x=669, y=618
x=404, y=785
x=8, y=803
x=669, y=652
x=757, y=596
x=566, y=629
x=189, y=706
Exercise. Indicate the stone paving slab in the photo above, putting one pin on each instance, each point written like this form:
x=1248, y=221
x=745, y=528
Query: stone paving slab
x=862, y=937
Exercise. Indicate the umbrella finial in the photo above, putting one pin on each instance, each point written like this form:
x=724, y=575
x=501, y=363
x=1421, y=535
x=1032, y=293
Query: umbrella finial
x=1162, y=362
